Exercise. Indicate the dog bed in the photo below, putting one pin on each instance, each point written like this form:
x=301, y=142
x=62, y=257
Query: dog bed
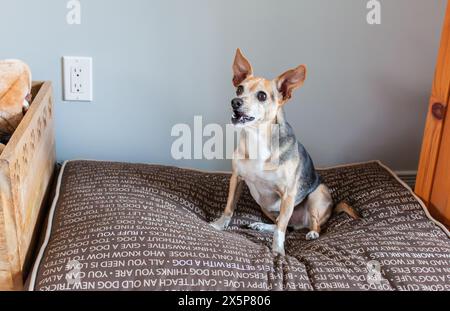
x=117, y=226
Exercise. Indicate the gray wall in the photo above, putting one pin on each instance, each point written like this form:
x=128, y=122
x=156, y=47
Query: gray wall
x=157, y=63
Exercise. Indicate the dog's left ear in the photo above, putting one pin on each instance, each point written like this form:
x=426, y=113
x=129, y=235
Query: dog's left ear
x=291, y=80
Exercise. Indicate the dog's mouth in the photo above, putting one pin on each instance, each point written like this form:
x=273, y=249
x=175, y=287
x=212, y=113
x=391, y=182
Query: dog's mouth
x=240, y=118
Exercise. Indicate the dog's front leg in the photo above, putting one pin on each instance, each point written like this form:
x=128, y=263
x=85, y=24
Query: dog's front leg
x=233, y=196
x=286, y=210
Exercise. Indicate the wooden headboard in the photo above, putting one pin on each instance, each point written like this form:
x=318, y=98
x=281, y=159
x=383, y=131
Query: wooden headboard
x=433, y=180
x=26, y=168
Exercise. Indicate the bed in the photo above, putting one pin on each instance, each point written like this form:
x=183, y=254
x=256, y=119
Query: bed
x=122, y=226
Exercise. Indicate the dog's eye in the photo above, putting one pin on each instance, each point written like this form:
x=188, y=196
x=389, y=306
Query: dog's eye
x=262, y=96
x=240, y=90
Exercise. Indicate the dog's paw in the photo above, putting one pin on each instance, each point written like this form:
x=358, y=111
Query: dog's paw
x=262, y=227
x=276, y=250
x=312, y=235
x=278, y=243
x=221, y=223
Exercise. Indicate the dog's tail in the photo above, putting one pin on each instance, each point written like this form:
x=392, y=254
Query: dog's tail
x=344, y=207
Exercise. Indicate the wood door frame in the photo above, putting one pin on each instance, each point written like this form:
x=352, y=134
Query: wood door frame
x=434, y=152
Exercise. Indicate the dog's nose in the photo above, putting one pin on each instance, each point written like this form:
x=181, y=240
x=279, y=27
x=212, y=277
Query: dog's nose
x=237, y=103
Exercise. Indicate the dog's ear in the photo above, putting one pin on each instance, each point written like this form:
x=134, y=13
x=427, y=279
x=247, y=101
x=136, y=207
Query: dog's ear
x=241, y=68
x=290, y=80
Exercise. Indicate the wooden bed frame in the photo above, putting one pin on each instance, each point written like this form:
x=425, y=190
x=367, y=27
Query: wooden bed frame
x=27, y=165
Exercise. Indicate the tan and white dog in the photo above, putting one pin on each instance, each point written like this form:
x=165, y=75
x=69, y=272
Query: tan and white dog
x=290, y=193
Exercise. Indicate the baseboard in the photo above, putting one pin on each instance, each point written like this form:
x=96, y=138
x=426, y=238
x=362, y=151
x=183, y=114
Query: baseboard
x=409, y=177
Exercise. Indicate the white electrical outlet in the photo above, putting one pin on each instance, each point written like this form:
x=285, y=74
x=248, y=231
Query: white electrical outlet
x=77, y=78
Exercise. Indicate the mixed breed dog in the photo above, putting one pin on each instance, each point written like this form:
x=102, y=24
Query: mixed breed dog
x=291, y=193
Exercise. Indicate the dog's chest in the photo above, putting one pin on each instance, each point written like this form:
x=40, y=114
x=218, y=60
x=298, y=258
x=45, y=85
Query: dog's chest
x=261, y=182
x=255, y=166
x=260, y=175
x=257, y=172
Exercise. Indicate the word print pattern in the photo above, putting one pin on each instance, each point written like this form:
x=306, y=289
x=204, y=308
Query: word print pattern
x=145, y=227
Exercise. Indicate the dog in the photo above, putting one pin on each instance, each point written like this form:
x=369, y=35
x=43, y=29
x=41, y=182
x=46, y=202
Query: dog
x=291, y=193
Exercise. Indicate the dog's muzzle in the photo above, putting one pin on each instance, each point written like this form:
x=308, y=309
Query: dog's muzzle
x=238, y=116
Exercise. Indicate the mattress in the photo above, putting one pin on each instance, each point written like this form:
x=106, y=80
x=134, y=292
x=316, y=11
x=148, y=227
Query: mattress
x=118, y=226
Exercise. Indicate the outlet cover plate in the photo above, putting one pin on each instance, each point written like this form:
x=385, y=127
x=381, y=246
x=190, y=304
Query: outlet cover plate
x=77, y=78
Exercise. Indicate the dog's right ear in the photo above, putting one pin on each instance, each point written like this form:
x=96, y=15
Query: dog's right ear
x=241, y=68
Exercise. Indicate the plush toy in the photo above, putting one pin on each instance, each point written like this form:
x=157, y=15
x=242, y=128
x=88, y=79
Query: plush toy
x=15, y=90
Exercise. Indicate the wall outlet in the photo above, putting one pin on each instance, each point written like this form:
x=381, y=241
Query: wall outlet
x=77, y=78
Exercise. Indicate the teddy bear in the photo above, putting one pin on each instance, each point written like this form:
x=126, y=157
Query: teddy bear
x=15, y=95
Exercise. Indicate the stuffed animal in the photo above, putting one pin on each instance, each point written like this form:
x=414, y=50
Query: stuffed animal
x=15, y=90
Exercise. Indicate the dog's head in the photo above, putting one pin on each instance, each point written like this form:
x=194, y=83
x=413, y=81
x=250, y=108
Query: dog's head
x=257, y=99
